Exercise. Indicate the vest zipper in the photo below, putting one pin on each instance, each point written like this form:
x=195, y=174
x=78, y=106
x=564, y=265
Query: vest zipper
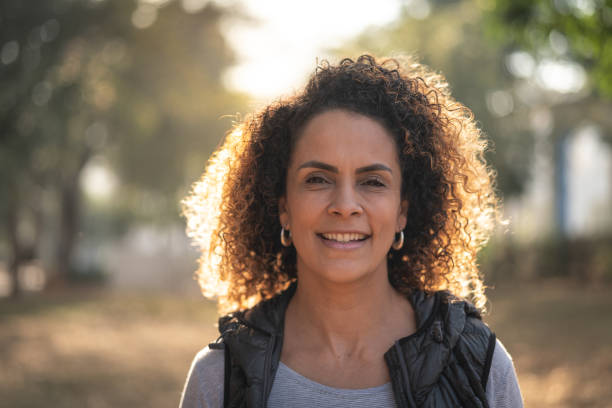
x=267, y=369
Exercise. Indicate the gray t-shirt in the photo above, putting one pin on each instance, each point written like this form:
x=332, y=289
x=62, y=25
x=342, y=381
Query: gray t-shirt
x=204, y=386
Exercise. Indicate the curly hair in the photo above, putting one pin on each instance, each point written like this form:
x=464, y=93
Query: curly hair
x=232, y=212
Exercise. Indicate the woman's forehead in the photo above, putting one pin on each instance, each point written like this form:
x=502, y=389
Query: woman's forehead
x=340, y=136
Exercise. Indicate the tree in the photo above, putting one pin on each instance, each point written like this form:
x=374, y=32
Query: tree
x=564, y=32
x=137, y=83
x=580, y=29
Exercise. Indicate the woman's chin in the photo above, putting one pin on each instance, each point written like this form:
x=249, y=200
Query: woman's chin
x=347, y=273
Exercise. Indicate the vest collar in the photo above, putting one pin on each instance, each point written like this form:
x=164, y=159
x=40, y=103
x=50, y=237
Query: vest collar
x=269, y=316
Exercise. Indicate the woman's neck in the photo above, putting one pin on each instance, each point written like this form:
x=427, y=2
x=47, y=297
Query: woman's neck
x=347, y=319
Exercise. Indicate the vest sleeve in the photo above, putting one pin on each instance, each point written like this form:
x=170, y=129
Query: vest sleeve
x=204, y=385
x=502, y=387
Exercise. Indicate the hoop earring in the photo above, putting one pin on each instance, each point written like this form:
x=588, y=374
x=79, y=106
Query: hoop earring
x=398, y=243
x=285, y=237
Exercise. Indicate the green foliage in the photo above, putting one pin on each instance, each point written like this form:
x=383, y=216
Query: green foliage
x=79, y=81
x=148, y=99
x=586, y=26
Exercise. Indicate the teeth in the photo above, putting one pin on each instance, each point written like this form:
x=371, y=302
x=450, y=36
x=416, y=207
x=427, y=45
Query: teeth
x=344, y=237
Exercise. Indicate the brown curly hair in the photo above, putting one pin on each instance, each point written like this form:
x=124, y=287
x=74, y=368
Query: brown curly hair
x=233, y=214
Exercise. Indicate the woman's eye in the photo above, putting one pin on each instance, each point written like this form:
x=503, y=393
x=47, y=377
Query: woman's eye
x=316, y=180
x=374, y=182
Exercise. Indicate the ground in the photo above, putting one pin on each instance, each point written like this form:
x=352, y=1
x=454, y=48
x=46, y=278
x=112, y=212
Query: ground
x=560, y=336
x=96, y=348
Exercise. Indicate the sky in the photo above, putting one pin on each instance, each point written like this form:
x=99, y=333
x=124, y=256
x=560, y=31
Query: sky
x=279, y=49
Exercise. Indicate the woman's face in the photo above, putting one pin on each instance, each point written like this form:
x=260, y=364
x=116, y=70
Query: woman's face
x=343, y=204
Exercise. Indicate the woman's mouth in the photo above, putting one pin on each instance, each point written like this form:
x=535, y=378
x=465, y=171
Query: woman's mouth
x=344, y=237
x=344, y=241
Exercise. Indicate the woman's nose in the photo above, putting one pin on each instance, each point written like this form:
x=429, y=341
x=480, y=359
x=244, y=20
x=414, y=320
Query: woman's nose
x=345, y=201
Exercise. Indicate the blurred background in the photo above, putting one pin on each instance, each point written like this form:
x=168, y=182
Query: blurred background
x=109, y=110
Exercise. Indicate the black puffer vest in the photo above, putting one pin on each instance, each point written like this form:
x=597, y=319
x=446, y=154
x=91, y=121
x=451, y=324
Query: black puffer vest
x=445, y=363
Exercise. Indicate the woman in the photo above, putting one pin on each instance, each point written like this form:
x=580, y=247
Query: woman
x=349, y=216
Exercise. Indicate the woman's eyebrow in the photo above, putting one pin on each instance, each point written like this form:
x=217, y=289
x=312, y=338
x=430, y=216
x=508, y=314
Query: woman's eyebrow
x=373, y=167
x=319, y=165
x=328, y=167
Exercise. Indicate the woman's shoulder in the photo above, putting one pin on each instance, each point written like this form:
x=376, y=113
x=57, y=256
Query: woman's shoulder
x=502, y=386
x=209, y=359
x=204, y=385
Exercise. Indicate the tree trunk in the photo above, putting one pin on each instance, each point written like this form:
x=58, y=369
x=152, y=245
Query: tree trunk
x=68, y=230
x=70, y=213
x=15, y=244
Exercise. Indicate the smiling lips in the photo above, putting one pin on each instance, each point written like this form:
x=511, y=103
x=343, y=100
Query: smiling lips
x=344, y=237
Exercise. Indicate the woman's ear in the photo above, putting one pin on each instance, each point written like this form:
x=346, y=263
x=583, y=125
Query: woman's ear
x=283, y=215
x=402, y=218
